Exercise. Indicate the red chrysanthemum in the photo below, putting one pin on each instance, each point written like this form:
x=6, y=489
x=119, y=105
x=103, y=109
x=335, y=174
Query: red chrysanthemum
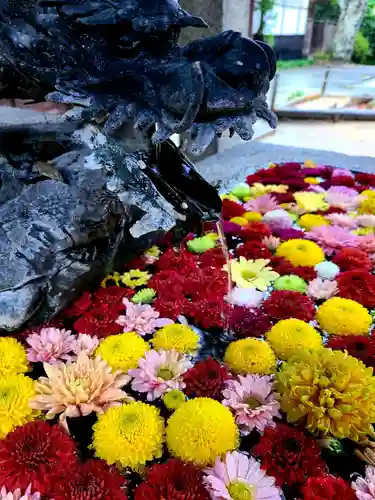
x=255, y=231
x=138, y=262
x=357, y=285
x=177, y=260
x=93, y=480
x=168, y=283
x=327, y=488
x=212, y=258
x=172, y=307
x=80, y=306
x=349, y=259
x=112, y=295
x=253, y=250
x=342, y=180
x=359, y=346
x=100, y=321
x=231, y=209
x=289, y=455
x=289, y=234
x=367, y=180
x=208, y=312
x=245, y=322
x=285, y=304
x=331, y=210
x=284, y=267
x=206, y=379
x=173, y=480
x=212, y=284
x=34, y=454
x=284, y=197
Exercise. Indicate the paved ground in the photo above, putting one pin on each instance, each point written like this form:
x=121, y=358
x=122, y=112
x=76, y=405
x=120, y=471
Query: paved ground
x=234, y=164
x=353, y=80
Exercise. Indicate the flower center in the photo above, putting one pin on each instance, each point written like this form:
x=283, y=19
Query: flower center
x=253, y=402
x=165, y=373
x=248, y=275
x=241, y=491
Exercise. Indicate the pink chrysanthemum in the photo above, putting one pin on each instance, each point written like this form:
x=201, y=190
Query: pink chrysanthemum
x=365, y=220
x=141, y=318
x=159, y=372
x=365, y=487
x=320, y=289
x=239, y=476
x=271, y=242
x=342, y=220
x=342, y=197
x=262, y=204
x=252, y=401
x=332, y=238
x=17, y=494
x=366, y=243
x=50, y=345
x=244, y=297
x=86, y=343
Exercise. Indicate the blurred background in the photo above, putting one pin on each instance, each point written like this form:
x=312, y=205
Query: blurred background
x=324, y=92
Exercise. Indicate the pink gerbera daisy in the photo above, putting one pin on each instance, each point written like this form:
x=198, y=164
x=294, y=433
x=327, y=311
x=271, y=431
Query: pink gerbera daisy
x=50, y=345
x=141, y=318
x=253, y=402
x=262, y=204
x=239, y=476
x=332, y=238
x=160, y=372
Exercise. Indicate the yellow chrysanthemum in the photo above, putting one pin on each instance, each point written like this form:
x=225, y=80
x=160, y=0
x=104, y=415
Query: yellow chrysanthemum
x=13, y=357
x=309, y=164
x=251, y=273
x=308, y=221
x=153, y=251
x=252, y=216
x=15, y=393
x=129, y=435
x=330, y=392
x=182, y=338
x=364, y=231
x=311, y=202
x=135, y=278
x=201, y=430
x=241, y=221
x=250, y=356
x=367, y=203
x=301, y=252
x=289, y=336
x=112, y=278
x=338, y=316
x=122, y=352
x=174, y=399
x=311, y=180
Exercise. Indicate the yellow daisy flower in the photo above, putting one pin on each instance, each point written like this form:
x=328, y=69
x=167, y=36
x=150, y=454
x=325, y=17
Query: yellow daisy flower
x=251, y=273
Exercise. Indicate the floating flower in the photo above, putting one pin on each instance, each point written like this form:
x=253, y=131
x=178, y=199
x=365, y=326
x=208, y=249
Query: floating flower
x=173, y=399
x=366, y=220
x=262, y=204
x=253, y=402
x=322, y=289
x=338, y=316
x=143, y=319
x=327, y=270
x=85, y=343
x=15, y=393
x=278, y=219
x=285, y=304
x=152, y=254
x=182, y=338
x=135, y=278
x=202, y=244
x=240, y=477
x=366, y=243
x=301, y=252
x=92, y=480
x=231, y=209
x=172, y=480
x=159, y=372
x=35, y=454
x=13, y=357
x=290, y=336
x=252, y=216
x=349, y=259
x=245, y=297
x=308, y=221
x=289, y=455
x=332, y=238
x=255, y=231
x=251, y=273
x=365, y=487
x=330, y=392
x=129, y=435
x=367, y=203
x=357, y=285
x=241, y=190
x=18, y=495
x=342, y=220
x=253, y=250
x=206, y=379
x=342, y=197
x=271, y=242
x=100, y=321
x=324, y=487
x=311, y=202
x=291, y=283
x=77, y=389
x=240, y=221
x=122, y=352
x=359, y=346
x=51, y=345
x=201, y=430
x=144, y=296
x=250, y=356
x=244, y=322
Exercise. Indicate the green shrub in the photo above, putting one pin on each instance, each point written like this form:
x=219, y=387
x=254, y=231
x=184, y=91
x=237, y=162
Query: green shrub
x=361, y=48
x=321, y=56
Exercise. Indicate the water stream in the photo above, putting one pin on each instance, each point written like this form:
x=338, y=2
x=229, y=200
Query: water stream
x=224, y=248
